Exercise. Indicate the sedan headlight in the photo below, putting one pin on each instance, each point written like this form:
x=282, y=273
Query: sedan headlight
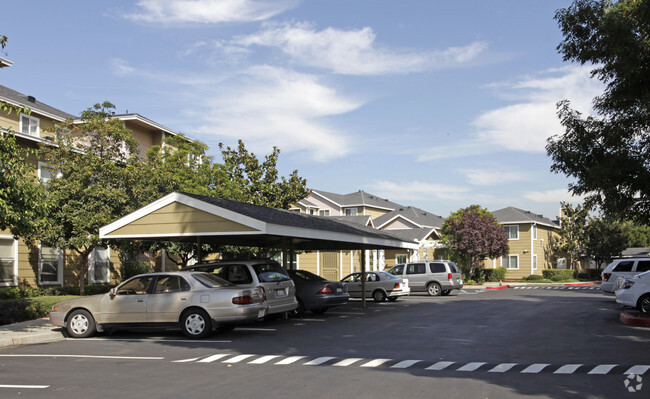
x=627, y=284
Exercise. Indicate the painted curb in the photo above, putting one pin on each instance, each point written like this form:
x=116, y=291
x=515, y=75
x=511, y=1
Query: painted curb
x=497, y=288
x=635, y=319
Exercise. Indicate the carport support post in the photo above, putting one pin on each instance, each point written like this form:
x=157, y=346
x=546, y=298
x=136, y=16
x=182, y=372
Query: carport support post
x=199, y=252
x=363, y=278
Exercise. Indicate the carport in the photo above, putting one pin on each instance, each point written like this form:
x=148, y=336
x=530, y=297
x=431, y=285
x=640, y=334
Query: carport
x=201, y=219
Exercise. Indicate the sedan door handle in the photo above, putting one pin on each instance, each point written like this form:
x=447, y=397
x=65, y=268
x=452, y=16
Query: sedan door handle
x=183, y=299
x=140, y=300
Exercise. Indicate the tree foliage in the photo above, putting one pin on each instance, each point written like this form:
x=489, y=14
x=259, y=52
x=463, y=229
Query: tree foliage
x=638, y=236
x=573, y=232
x=473, y=234
x=93, y=165
x=605, y=240
x=608, y=154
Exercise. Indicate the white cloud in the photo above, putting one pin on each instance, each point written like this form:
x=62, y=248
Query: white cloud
x=268, y=106
x=555, y=196
x=121, y=67
x=482, y=177
x=417, y=191
x=354, y=52
x=208, y=11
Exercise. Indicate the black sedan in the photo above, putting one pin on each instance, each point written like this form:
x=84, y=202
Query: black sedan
x=316, y=294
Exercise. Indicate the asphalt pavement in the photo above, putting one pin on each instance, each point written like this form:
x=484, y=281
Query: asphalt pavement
x=41, y=331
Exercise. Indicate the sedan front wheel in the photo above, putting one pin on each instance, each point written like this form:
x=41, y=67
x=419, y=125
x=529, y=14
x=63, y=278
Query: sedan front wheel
x=81, y=324
x=644, y=304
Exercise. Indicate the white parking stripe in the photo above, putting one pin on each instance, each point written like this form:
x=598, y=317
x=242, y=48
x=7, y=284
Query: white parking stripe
x=237, y=358
x=641, y=369
x=375, y=363
x=439, y=366
x=264, y=359
x=25, y=386
x=347, y=362
x=567, y=369
x=502, y=368
x=471, y=366
x=319, y=361
x=404, y=364
x=213, y=358
x=602, y=369
x=290, y=360
x=535, y=368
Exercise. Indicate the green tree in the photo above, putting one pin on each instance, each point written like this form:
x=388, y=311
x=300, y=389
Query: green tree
x=638, y=236
x=21, y=196
x=93, y=182
x=473, y=235
x=604, y=240
x=572, y=233
x=608, y=154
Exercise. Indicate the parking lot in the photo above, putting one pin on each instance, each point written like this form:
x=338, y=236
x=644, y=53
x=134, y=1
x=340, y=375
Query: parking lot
x=544, y=341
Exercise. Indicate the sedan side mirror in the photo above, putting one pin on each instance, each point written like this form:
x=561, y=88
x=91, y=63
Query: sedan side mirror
x=112, y=292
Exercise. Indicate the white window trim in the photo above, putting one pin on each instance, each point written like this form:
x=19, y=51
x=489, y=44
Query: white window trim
x=15, y=251
x=32, y=119
x=91, y=269
x=324, y=212
x=534, y=261
x=511, y=256
x=516, y=227
x=534, y=231
x=351, y=211
x=59, y=277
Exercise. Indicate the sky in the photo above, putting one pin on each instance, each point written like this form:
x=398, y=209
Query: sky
x=433, y=104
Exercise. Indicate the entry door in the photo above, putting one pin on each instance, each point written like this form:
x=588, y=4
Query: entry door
x=330, y=269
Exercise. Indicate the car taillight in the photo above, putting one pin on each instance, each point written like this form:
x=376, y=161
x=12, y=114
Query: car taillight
x=449, y=276
x=606, y=276
x=396, y=287
x=263, y=292
x=327, y=290
x=242, y=300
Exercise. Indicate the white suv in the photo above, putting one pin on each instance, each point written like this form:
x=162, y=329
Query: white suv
x=626, y=268
x=266, y=274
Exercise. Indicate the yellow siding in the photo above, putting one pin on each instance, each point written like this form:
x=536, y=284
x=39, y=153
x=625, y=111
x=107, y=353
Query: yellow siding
x=308, y=261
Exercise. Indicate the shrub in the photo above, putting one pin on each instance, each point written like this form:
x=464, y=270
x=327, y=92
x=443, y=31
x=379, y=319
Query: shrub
x=133, y=268
x=565, y=274
x=534, y=277
x=557, y=278
x=494, y=275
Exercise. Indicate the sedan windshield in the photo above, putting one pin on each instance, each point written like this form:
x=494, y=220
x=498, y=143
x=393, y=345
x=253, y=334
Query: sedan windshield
x=211, y=280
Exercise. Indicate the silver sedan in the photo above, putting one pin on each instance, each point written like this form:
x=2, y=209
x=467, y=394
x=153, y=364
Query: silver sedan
x=379, y=286
x=196, y=302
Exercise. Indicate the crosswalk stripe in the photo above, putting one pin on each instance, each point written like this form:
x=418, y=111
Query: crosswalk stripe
x=213, y=358
x=290, y=360
x=638, y=370
x=347, y=362
x=237, y=358
x=502, y=368
x=404, y=364
x=319, y=361
x=535, y=368
x=439, y=366
x=471, y=366
x=264, y=359
x=375, y=363
x=567, y=369
x=602, y=369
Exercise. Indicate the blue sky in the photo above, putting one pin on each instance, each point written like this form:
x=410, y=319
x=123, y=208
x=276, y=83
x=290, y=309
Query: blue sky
x=435, y=104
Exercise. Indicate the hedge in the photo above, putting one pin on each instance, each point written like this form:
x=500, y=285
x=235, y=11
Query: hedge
x=559, y=274
x=494, y=275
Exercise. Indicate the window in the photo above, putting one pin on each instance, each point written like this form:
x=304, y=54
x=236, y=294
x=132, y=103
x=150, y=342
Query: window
x=400, y=258
x=7, y=262
x=29, y=125
x=167, y=284
x=643, y=266
x=416, y=268
x=99, y=270
x=625, y=266
x=534, y=232
x=512, y=232
x=50, y=266
x=534, y=262
x=136, y=286
x=324, y=212
x=351, y=212
x=438, y=268
x=510, y=262
x=45, y=173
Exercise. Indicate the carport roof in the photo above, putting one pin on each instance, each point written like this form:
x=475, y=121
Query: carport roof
x=188, y=217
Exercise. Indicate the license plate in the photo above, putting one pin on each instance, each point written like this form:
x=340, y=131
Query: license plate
x=339, y=290
x=280, y=293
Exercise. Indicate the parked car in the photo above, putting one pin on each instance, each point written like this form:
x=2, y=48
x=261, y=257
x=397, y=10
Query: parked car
x=433, y=277
x=196, y=302
x=635, y=292
x=265, y=274
x=379, y=286
x=315, y=293
x=626, y=268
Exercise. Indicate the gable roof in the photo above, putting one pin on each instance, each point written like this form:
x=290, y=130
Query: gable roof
x=412, y=214
x=512, y=215
x=186, y=217
x=359, y=198
x=413, y=235
x=18, y=99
